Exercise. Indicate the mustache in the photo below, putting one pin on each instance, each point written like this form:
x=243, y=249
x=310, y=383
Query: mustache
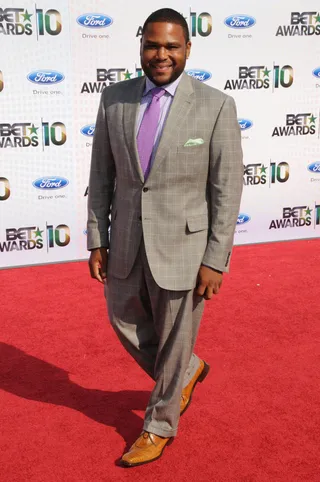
x=161, y=64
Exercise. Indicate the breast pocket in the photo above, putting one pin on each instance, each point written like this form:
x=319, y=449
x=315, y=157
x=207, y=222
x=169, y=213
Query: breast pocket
x=192, y=148
x=193, y=152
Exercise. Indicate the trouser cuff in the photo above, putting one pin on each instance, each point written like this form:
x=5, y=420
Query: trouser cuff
x=149, y=427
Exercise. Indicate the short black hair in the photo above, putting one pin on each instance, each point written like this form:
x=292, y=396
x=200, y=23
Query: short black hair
x=168, y=15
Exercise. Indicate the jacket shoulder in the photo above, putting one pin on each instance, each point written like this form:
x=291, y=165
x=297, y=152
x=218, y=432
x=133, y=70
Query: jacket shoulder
x=123, y=89
x=208, y=92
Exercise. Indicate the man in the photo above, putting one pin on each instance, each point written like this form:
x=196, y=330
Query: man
x=167, y=165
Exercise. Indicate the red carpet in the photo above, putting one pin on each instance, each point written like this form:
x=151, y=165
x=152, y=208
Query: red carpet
x=71, y=399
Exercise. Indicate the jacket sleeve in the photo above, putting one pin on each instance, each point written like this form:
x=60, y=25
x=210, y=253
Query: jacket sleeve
x=225, y=181
x=101, y=182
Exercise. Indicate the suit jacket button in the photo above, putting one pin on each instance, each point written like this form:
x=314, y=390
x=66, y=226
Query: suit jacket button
x=145, y=189
x=140, y=218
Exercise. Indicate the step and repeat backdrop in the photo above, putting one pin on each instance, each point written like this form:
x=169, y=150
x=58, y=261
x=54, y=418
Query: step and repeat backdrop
x=57, y=56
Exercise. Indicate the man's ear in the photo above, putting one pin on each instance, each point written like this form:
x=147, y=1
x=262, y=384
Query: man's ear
x=188, y=49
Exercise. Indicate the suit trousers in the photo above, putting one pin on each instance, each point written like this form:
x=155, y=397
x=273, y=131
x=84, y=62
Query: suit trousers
x=158, y=327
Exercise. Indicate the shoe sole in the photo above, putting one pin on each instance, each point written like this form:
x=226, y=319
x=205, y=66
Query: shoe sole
x=128, y=465
x=200, y=379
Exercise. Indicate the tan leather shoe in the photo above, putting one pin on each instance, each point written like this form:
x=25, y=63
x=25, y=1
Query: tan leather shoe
x=147, y=448
x=199, y=376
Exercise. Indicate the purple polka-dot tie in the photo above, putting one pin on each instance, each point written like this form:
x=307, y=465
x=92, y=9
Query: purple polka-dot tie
x=148, y=129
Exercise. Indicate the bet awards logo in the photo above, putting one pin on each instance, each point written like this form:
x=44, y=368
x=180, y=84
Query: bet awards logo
x=199, y=24
x=260, y=174
x=32, y=237
x=297, y=217
x=1, y=81
x=259, y=77
x=106, y=77
x=302, y=24
x=297, y=125
x=18, y=21
x=25, y=134
x=4, y=189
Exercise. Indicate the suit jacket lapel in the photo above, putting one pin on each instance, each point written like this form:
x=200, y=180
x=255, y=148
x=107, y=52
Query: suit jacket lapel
x=130, y=114
x=181, y=105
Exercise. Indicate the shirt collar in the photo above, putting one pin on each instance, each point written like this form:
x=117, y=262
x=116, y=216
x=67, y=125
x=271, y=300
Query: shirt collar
x=170, y=88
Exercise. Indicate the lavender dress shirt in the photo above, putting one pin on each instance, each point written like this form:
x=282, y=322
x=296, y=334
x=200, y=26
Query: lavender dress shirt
x=165, y=103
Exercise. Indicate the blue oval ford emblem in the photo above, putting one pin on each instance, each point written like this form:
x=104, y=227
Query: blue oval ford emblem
x=202, y=75
x=314, y=167
x=94, y=20
x=243, y=218
x=245, y=124
x=52, y=182
x=239, y=21
x=316, y=72
x=45, y=77
x=88, y=130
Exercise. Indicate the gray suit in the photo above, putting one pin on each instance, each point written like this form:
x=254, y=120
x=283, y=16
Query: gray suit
x=163, y=228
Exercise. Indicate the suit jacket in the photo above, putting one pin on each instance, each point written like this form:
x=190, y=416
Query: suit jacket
x=187, y=208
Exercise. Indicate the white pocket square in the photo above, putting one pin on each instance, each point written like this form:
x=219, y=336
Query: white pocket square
x=194, y=142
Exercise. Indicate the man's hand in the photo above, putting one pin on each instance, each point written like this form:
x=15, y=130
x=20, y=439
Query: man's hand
x=209, y=282
x=98, y=264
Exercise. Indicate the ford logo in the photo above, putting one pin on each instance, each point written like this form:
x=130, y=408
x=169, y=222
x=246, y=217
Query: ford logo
x=243, y=218
x=245, y=124
x=202, y=75
x=88, y=130
x=239, y=21
x=45, y=77
x=316, y=72
x=94, y=20
x=314, y=167
x=53, y=182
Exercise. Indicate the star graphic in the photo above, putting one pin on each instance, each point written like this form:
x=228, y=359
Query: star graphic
x=263, y=169
x=266, y=72
x=33, y=130
x=308, y=211
x=38, y=233
x=127, y=75
x=312, y=119
x=27, y=16
x=317, y=18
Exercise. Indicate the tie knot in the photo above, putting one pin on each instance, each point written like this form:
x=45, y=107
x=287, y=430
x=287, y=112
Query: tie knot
x=157, y=92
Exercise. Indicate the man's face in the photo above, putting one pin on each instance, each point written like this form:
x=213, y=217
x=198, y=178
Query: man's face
x=163, y=52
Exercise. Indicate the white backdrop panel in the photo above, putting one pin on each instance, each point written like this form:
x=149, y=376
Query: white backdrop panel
x=53, y=69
